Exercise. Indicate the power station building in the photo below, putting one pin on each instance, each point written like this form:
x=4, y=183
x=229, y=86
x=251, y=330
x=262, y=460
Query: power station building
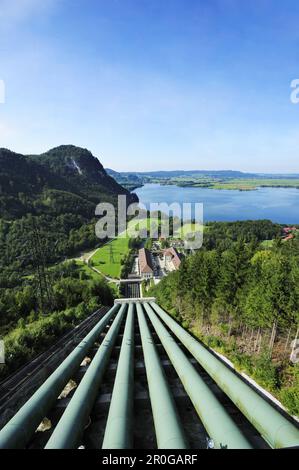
x=146, y=268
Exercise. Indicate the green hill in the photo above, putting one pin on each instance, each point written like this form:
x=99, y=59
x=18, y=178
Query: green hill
x=67, y=175
x=60, y=189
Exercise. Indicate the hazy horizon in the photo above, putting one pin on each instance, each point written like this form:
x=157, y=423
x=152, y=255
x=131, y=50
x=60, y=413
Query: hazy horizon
x=158, y=170
x=199, y=170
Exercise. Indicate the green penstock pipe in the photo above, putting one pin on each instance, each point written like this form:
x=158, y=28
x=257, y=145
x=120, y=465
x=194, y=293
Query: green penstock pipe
x=70, y=427
x=18, y=431
x=217, y=422
x=277, y=430
x=118, y=432
x=168, y=428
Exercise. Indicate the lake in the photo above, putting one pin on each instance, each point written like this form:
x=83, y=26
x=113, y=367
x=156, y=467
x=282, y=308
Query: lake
x=277, y=204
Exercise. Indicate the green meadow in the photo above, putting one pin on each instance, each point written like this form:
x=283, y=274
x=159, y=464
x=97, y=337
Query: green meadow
x=108, y=258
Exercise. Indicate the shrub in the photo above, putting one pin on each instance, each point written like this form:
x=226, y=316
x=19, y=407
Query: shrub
x=290, y=398
x=266, y=373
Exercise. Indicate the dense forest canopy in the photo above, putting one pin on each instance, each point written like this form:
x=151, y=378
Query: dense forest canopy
x=242, y=295
x=236, y=280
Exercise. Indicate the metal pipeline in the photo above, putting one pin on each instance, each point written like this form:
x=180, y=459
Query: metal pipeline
x=272, y=425
x=217, y=422
x=118, y=432
x=168, y=429
x=18, y=431
x=70, y=427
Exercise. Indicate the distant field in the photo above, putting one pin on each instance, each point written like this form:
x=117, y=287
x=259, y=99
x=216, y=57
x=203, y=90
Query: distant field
x=242, y=184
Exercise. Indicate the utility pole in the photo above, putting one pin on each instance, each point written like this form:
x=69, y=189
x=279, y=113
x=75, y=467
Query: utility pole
x=111, y=253
x=44, y=285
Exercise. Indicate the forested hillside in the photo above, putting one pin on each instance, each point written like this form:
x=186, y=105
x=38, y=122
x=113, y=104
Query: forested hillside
x=64, y=179
x=76, y=293
x=47, y=207
x=60, y=189
x=243, y=298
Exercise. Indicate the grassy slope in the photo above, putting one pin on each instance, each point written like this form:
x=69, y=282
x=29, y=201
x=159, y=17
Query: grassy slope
x=83, y=267
x=120, y=248
x=267, y=243
x=101, y=259
x=94, y=276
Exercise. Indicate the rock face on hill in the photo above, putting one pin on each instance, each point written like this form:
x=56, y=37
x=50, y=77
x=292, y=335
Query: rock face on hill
x=40, y=183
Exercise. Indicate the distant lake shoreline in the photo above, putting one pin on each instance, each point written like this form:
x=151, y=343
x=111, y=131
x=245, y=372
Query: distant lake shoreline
x=279, y=205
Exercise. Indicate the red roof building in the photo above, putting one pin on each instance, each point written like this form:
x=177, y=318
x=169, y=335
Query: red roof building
x=145, y=263
x=289, y=229
x=289, y=237
x=172, y=255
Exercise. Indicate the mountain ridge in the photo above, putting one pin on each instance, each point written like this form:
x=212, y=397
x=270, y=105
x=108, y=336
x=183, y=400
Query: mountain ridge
x=60, y=189
x=66, y=168
x=178, y=173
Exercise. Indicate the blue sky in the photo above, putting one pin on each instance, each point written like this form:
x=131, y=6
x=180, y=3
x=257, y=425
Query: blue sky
x=152, y=84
